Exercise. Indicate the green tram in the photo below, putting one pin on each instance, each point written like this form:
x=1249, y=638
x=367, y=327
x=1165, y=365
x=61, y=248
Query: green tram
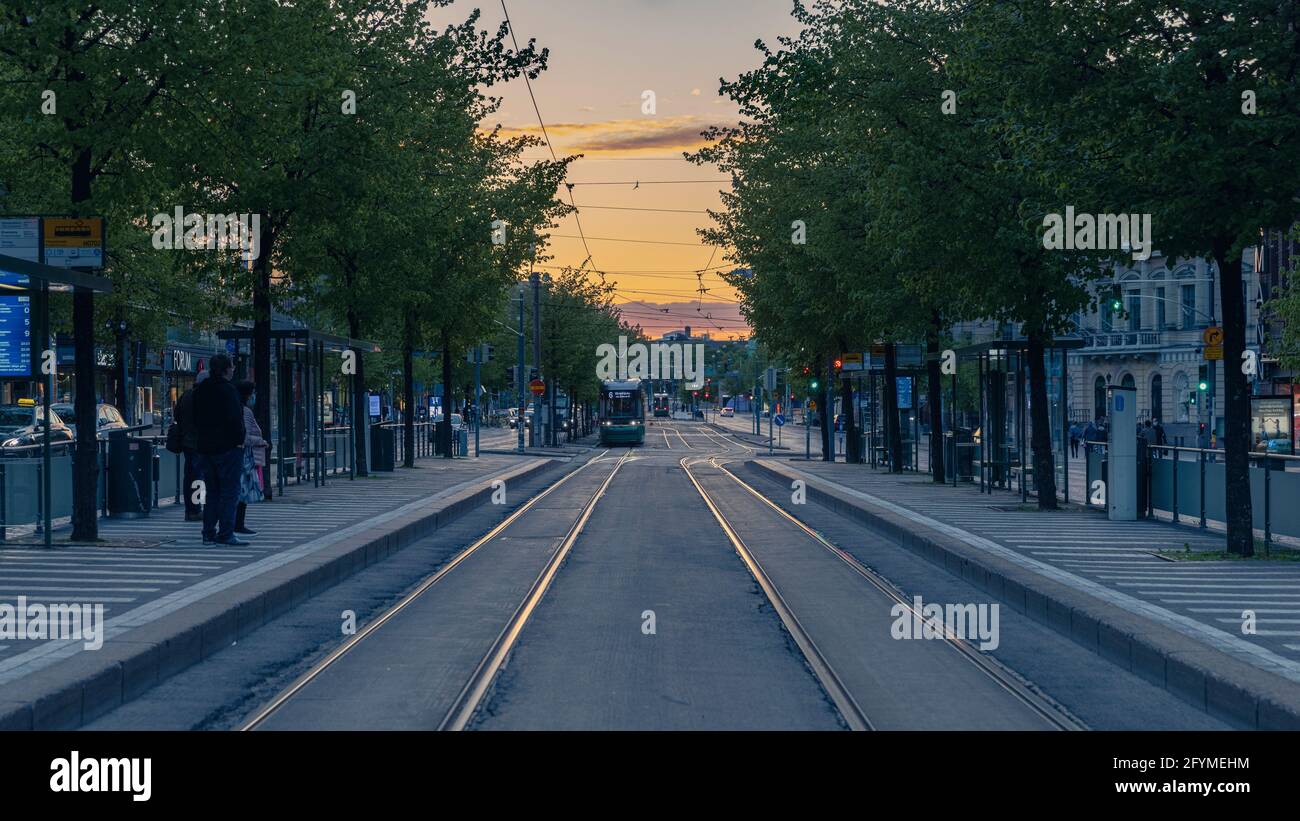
x=622, y=412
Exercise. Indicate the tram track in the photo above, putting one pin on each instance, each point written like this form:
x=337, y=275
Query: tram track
x=1048, y=712
x=479, y=683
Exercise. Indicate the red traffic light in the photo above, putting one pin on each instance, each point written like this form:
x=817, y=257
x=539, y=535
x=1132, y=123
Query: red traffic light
x=839, y=363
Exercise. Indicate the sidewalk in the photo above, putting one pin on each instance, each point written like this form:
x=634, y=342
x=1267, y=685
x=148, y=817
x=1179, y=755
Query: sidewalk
x=169, y=601
x=1100, y=582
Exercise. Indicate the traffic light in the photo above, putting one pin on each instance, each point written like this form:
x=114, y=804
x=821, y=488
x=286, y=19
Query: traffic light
x=1191, y=398
x=1204, y=382
x=1116, y=299
x=813, y=384
x=806, y=370
x=839, y=363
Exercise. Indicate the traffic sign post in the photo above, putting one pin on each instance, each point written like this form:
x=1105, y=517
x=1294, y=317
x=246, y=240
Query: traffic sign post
x=537, y=387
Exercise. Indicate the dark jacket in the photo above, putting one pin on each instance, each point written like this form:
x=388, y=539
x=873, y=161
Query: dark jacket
x=185, y=420
x=218, y=416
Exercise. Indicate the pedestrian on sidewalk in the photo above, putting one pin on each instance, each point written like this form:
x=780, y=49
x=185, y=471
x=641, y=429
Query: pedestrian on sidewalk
x=219, y=420
x=250, y=478
x=189, y=444
x=1074, y=440
x=1161, y=439
x=1090, y=434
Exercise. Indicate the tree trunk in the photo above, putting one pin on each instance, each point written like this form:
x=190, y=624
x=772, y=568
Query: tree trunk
x=892, y=433
x=85, y=475
x=851, y=454
x=444, y=430
x=408, y=391
x=262, y=332
x=360, y=401
x=1236, y=405
x=934, y=392
x=1040, y=421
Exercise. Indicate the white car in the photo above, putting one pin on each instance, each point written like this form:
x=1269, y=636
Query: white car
x=728, y=411
x=457, y=421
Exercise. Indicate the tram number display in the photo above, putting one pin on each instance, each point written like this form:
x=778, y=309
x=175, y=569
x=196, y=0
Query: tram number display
x=620, y=394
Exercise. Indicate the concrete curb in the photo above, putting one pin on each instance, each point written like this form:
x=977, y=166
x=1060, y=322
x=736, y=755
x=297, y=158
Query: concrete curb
x=1216, y=682
x=80, y=689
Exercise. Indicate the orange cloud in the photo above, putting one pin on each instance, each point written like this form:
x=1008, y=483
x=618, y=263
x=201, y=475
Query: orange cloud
x=627, y=135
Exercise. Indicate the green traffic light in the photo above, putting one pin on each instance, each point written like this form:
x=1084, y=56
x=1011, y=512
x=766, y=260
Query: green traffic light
x=1204, y=386
x=814, y=384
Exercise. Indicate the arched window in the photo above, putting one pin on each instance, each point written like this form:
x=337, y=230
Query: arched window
x=1128, y=381
x=1157, y=397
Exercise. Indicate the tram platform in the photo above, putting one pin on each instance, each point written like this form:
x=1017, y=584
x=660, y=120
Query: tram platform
x=168, y=601
x=1146, y=595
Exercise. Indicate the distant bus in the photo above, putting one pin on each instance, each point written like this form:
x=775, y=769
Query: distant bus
x=622, y=413
x=661, y=404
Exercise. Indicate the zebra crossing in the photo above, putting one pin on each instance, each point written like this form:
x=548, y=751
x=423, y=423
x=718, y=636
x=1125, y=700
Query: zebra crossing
x=123, y=578
x=1255, y=601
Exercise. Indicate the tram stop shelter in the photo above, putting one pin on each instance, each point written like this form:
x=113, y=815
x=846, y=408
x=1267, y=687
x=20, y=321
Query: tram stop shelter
x=312, y=413
x=1002, y=439
x=23, y=281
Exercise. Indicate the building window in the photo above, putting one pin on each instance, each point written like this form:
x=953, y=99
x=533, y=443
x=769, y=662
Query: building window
x=1107, y=323
x=1160, y=309
x=1189, y=307
x=1157, y=397
x=1134, y=311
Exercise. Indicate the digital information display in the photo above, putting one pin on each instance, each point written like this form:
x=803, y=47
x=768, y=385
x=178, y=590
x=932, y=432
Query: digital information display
x=15, y=336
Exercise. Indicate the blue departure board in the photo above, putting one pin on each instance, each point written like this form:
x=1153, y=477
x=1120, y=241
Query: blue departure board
x=15, y=336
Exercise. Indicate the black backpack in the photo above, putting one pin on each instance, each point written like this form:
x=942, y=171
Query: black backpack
x=175, y=442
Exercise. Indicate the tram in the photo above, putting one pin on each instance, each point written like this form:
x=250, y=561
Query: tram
x=661, y=404
x=622, y=412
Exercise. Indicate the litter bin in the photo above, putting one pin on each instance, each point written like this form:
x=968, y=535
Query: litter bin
x=437, y=437
x=462, y=441
x=130, y=477
x=383, y=448
x=965, y=455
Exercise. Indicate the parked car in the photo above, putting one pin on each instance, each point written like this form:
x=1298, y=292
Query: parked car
x=107, y=418
x=20, y=426
x=728, y=411
x=457, y=421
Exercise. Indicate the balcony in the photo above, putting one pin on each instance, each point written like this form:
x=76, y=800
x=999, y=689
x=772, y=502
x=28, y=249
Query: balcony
x=1121, y=341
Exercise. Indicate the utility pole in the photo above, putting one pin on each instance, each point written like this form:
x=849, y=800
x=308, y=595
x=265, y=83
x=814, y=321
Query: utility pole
x=537, y=351
x=478, y=380
x=519, y=373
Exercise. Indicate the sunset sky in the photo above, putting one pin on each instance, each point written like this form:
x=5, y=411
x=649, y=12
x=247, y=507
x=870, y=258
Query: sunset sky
x=603, y=55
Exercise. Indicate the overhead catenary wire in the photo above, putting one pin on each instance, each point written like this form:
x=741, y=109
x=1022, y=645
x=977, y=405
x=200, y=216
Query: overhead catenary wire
x=547, y=137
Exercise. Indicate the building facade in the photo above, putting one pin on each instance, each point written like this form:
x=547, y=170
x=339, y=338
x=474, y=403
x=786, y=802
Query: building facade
x=1155, y=343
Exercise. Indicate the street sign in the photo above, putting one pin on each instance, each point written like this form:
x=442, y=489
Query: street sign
x=851, y=361
x=769, y=380
x=778, y=420
x=1212, y=335
x=1213, y=352
x=73, y=243
x=537, y=386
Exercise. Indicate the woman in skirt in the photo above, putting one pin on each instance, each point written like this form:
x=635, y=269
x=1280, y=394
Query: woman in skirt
x=250, y=478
